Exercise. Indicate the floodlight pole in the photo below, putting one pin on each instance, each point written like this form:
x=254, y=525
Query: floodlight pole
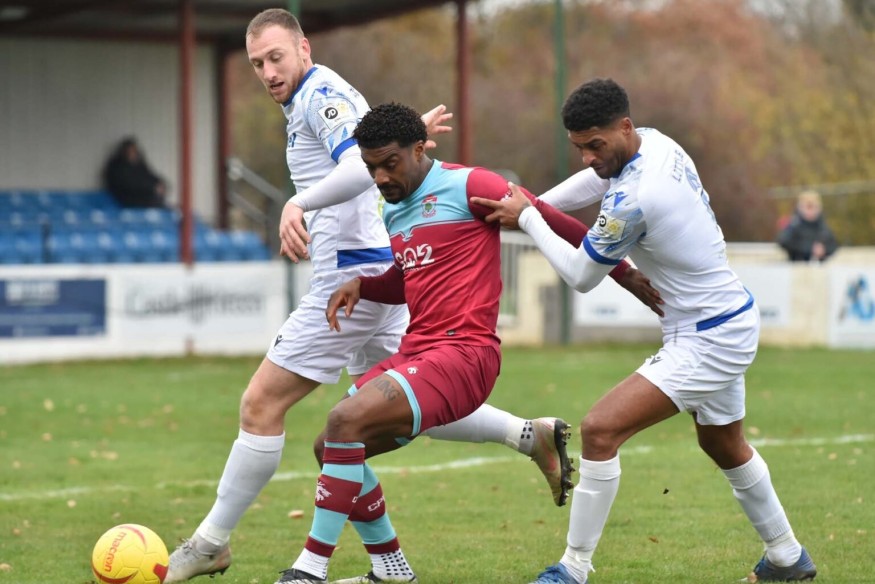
x=561, y=145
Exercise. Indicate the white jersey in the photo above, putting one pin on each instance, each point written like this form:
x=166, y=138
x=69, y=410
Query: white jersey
x=657, y=212
x=322, y=114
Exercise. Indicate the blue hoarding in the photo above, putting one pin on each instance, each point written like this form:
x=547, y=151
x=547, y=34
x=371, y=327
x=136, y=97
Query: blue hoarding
x=51, y=307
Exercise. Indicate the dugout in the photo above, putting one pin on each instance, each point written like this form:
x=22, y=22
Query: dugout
x=79, y=74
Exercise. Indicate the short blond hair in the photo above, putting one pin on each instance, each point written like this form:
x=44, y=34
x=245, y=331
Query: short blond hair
x=809, y=197
x=274, y=17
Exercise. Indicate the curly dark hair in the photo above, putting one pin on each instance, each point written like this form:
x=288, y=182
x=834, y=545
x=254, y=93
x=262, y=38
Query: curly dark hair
x=595, y=104
x=390, y=122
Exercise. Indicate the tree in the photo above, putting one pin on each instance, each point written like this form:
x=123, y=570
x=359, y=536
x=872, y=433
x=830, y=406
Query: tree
x=761, y=94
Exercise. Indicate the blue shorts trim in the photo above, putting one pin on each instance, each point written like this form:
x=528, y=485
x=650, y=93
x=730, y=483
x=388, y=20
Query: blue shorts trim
x=354, y=257
x=710, y=323
x=411, y=397
x=414, y=405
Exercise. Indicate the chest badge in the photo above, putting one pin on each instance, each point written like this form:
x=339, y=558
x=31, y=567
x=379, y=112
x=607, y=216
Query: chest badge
x=429, y=206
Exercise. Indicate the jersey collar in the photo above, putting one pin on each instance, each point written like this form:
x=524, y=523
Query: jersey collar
x=628, y=162
x=300, y=86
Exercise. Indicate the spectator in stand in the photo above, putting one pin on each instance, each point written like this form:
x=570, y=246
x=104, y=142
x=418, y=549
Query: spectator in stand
x=807, y=237
x=129, y=179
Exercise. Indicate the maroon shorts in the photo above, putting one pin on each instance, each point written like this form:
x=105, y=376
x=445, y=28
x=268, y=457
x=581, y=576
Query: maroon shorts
x=443, y=384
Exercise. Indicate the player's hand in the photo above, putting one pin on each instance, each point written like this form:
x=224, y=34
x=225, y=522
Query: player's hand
x=434, y=120
x=347, y=295
x=293, y=235
x=506, y=211
x=639, y=285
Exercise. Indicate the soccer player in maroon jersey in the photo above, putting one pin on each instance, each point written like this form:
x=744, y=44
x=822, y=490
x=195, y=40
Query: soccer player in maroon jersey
x=447, y=269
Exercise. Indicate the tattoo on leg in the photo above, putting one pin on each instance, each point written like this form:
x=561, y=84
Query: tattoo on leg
x=386, y=388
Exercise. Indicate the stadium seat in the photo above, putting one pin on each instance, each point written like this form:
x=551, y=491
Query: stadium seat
x=249, y=245
x=22, y=244
x=163, y=245
x=80, y=226
x=102, y=216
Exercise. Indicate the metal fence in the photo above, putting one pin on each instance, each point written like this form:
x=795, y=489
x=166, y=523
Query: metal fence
x=513, y=244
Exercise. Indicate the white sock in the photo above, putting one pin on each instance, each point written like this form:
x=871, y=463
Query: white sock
x=251, y=464
x=486, y=424
x=313, y=564
x=391, y=566
x=590, y=505
x=752, y=486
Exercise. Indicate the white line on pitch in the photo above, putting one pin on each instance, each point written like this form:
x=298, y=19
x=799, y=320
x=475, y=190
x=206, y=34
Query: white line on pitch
x=384, y=470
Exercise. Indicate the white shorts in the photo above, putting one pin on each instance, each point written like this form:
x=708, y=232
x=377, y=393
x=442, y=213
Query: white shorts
x=703, y=372
x=306, y=346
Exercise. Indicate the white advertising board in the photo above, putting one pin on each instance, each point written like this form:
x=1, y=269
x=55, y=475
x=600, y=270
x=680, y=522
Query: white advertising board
x=609, y=305
x=852, y=307
x=51, y=313
x=771, y=286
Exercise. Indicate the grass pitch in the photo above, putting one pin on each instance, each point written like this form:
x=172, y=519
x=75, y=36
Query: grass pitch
x=84, y=446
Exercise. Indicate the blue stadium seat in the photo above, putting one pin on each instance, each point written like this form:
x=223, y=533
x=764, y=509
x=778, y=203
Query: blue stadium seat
x=80, y=226
x=104, y=216
x=260, y=254
x=101, y=200
x=164, y=245
x=21, y=200
x=249, y=245
x=76, y=246
x=22, y=244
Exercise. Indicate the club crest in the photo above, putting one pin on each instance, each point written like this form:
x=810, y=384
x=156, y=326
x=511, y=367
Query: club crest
x=429, y=206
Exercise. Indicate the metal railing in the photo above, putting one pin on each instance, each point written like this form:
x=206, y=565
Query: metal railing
x=513, y=245
x=258, y=200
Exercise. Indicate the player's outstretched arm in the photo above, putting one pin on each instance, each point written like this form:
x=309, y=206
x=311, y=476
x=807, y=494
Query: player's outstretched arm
x=507, y=212
x=346, y=297
x=516, y=211
x=581, y=189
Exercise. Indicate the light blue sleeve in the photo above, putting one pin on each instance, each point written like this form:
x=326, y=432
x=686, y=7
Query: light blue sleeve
x=619, y=225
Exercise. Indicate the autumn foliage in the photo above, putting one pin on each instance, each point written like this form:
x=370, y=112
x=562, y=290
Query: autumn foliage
x=781, y=96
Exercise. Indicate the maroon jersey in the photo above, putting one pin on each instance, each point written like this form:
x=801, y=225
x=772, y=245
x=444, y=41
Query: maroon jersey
x=447, y=258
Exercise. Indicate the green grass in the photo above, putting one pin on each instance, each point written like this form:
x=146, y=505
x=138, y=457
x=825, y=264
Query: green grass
x=84, y=446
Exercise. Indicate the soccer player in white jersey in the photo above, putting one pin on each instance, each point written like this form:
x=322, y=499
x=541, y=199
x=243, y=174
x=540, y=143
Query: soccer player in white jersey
x=346, y=239
x=655, y=210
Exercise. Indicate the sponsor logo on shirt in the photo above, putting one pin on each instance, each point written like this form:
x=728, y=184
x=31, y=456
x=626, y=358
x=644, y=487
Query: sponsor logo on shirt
x=429, y=206
x=336, y=114
x=414, y=258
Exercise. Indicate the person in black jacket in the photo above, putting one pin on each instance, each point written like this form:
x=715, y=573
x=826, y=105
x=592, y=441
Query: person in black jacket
x=130, y=180
x=807, y=237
